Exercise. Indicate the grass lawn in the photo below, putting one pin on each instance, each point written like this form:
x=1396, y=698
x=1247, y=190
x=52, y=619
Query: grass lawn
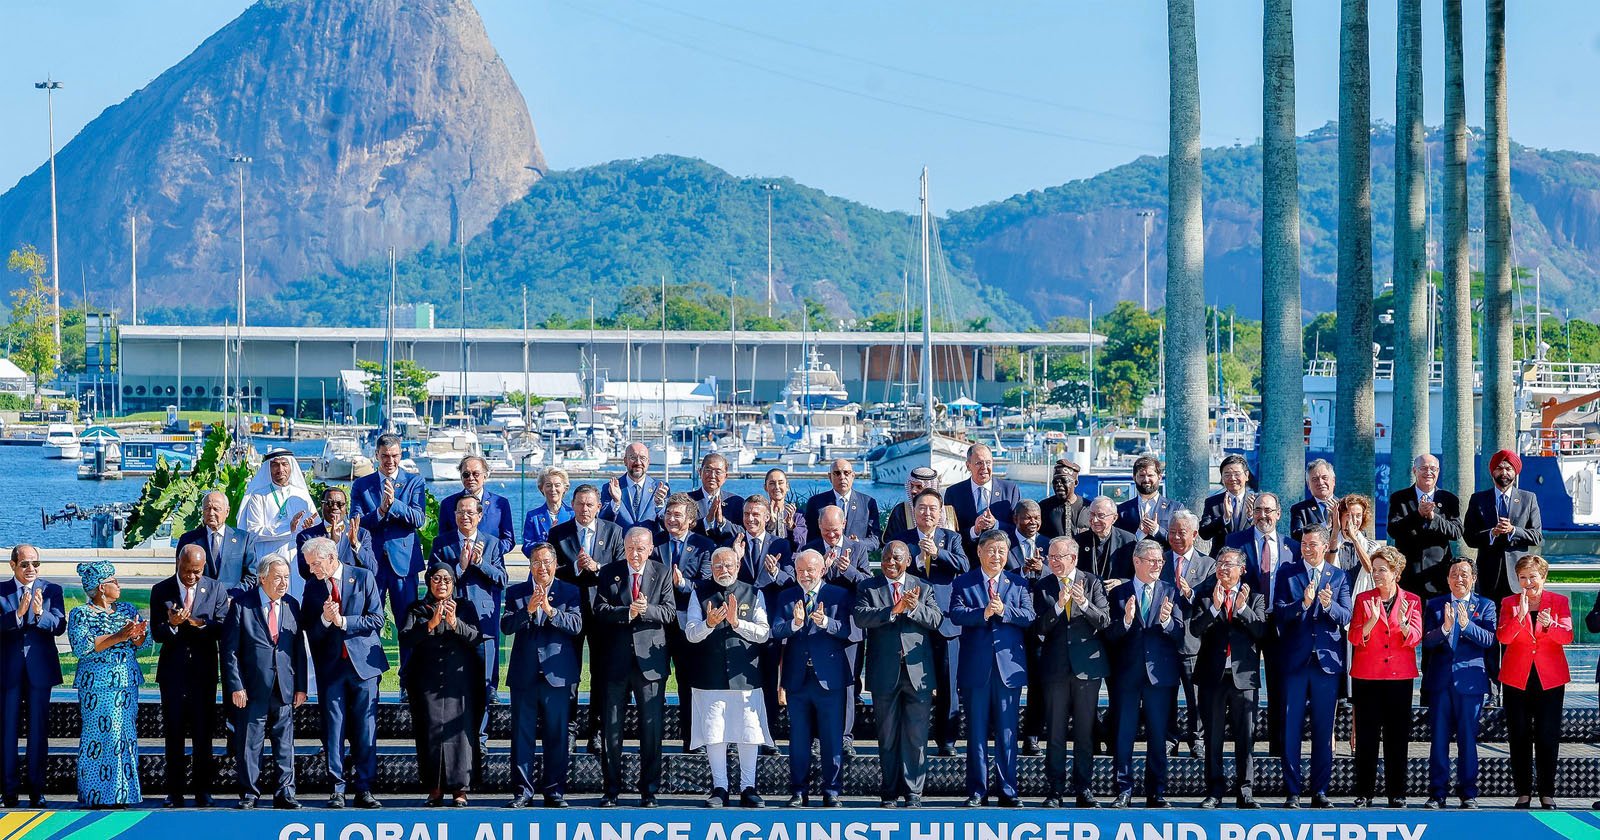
x=161, y=417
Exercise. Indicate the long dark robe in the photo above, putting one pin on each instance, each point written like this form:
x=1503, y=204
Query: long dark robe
x=444, y=680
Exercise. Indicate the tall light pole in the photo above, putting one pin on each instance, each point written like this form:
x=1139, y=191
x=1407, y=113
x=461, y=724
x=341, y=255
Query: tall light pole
x=769, y=189
x=50, y=86
x=241, y=161
x=1145, y=216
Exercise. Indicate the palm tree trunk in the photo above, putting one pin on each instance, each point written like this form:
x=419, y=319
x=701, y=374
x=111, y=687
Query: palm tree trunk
x=1499, y=422
x=1187, y=447
x=1283, y=450
x=1353, y=445
x=1456, y=469
x=1412, y=362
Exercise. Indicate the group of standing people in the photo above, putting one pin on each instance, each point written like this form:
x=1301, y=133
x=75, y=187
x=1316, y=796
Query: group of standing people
x=752, y=601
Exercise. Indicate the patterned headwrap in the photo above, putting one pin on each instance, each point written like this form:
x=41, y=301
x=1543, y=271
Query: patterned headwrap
x=95, y=572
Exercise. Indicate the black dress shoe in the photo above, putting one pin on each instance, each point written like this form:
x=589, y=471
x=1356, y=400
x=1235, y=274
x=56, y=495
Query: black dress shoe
x=831, y=800
x=947, y=749
x=849, y=748
x=1522, y=804
x=1361, y=802
x=247, y=803
x=367, y=801
x=38, y=802
x=9, y=802
x=1397, y=802
x=607, y=801
x=1209, y=803
x=173, y=802
x=204, y=801
x=914, y=800
x=1031, y=747
x=748, y=798
x=1087, y=800
x=286, y=802
x=768, y=749
x=1470, y=804
x=1321, y=800
x=974, y=801
x=797, y=800
x=1123, y=800
x=1247, y=803
x=718, y=798
x=1197, y=748
x=336, y=800
x=1051, y=801
x=1548, y=804
x=594, y=746
x=1291, y=802
x=1434, y=803
x=647, y=801
x=555, y=800
x=1157, y=802
x=519, y=801
x=888, y=801
x=1009, y=801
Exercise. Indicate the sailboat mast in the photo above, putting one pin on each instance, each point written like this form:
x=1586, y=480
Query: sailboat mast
x=527, y=379
x=927, y=317
x=462, y=251
x=733, y=359
x=666, y=432
x=388, y=348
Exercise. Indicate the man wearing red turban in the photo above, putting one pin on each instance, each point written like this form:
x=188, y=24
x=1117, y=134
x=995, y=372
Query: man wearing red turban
x=1502, y=523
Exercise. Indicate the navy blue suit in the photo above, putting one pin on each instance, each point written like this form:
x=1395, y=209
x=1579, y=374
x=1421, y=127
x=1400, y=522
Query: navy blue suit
x=235, y=565
x=1128, y=517
x=693, y=558
x=480, y=584
x=724, y=532
x=949, y=563
x=1311, y=650
x=1454, y=682
x=1004, y=496
x=992, y=672
x=363, y=559
x=187, y=672
x=29, y=668
x=348, y=662
x=1146, y=671
x=860, y=517
x=644, y=512
x=542, y=672
x=270, y=673
x=1308, y=512
x=496, y=519
x=753, y=570
x=395, y=543
x=815, y=677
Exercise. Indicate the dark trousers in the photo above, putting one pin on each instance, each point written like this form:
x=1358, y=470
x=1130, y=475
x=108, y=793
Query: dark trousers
x=38, y=697
x=1155, y=701
x=946, y=699
x=902, y=717
x=854, y=662
x=682, y=654
x=771, y=661
x=1276, y=702
x=1192, y=727
x=1061, y=698
x=349, y=708
x=401, y=592
x=1309, y=687
x=1034, y=713
x=816, y=712
x=1224, y=704
x=189, y=715
x=647, y=695
x=580, y=725
x=1453, y=716
x=539, y=714
x=1382, y=711
x=489, y=652
x=252, y=724
x=1533, y=726
x=991, y=710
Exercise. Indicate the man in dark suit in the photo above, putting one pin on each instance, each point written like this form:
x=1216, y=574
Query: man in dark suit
x=189, y=610
x=496, y=522
x=687, y=558
x=1071, y=610
x=938, y=558
x=230, y=552
x=1105, y=550
x=635, y=498
x=481, y=580
x=544, y=622
x=343, y=619
x=354, y=542
x=1027, y=559
x=1230, y=621
x=32, y=616
x=393, y=505
x=1265, y=552
x=845, y=565
x=901, y=618
x=1503, y=524
x=1312, y=609
x=1230, y=510
x=1424, y=520
x=264, y=675
x=583, y=546
x=994, y=610
x=812, y=619
x=1186, y=567
x=1066, y=514
x=901, y=517
x=982, y=502
x=1318, y=509
x=719, y=513
x=633, y=602
x=1458, y=631
x=767, y=563
x=860, y=510
x=1148, y=514
x=1146, y=630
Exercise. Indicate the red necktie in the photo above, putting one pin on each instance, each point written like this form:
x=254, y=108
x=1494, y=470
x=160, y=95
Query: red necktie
x=333, y=591
x=635, y=586
x=272, y=621
x=896, y=587
x=1227, y=609
x=992, y=590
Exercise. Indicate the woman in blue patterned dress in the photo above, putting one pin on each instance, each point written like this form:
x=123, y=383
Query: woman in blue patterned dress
x=106, y=636
x=539, y=520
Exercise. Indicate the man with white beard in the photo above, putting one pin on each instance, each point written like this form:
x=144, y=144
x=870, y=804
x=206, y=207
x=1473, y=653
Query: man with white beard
x=727, y=622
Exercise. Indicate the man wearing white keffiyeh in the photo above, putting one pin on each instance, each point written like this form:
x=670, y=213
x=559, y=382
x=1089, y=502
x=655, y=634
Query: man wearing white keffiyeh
x=277, y=505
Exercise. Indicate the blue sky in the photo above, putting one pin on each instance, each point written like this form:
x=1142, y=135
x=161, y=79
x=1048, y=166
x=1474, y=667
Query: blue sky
x=852, y=97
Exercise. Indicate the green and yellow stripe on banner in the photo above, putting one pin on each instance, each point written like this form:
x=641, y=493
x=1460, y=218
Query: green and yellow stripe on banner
x=67, y=825
x=1568, y=824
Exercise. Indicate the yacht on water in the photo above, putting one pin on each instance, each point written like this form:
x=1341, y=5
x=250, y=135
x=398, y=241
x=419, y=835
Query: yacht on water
x=815, y=409
x=507, y=418
x=61, y=442
x=440, y=459
x=404, y=419
x=341, y=460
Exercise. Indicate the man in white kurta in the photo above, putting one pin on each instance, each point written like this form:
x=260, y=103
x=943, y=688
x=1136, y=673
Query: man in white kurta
x=727, y=624
x=277, y=505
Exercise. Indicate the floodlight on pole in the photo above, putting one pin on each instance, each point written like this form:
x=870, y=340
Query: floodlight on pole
x=50, y=86
x=769, y=189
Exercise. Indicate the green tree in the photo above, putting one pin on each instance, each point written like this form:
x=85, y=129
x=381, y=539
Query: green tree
x=34, y=349
x=410, y=380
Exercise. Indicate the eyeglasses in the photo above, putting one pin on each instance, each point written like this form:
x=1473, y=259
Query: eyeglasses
x=1266, y=510
x=334, y=503
x=28, y=564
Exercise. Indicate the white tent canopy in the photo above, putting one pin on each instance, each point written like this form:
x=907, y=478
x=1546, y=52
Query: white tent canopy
x=480, y=385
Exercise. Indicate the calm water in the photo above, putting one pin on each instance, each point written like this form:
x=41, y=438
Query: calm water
x=38, y=482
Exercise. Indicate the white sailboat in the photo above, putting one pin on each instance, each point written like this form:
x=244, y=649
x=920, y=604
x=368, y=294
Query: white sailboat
x=893, y=461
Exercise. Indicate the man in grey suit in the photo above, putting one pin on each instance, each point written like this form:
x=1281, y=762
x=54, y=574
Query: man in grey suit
x=1187, y=567
x=1072, y=611
x=901, y=618
x=230, y=551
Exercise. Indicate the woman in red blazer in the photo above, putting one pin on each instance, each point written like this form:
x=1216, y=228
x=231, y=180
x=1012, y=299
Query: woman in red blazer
x=1535, y=627
x=1385, y=629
